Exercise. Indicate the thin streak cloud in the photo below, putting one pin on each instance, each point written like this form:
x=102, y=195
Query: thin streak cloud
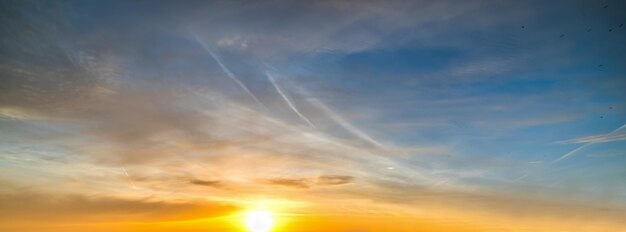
x=343, y=123
x=604, y=138
x=129, y=179
x=287, y=100
x=230, y=74
x=592, y=142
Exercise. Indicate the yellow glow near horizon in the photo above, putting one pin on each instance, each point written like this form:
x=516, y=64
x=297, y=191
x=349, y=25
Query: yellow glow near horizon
x=259, y=221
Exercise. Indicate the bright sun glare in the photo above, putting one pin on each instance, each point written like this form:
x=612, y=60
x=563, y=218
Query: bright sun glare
x=259, y=221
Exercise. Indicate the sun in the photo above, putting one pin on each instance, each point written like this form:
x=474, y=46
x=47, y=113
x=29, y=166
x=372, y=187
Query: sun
x=259, y=220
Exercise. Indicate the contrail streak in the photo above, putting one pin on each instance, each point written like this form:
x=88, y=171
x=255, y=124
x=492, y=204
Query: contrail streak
x=586, y=145
x=291, y=105
x=226, y=70
x=520, y=178
x=345, y=124
x=129, y=179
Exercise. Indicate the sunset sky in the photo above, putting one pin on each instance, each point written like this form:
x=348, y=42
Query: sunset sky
x=312, y=116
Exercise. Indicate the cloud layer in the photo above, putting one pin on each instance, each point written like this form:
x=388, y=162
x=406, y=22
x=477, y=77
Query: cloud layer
x=146, y=112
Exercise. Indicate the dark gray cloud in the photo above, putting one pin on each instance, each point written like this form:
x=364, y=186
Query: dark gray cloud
x=334, y=180
x=306, y=183
x=288, y=182
x=207, y=183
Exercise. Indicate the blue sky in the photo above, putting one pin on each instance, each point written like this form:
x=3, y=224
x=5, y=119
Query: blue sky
x=476, y=97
